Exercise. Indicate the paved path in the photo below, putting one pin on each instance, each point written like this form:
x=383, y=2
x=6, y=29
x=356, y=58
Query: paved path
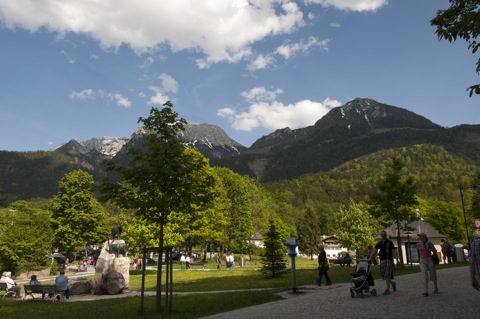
x=456, y=300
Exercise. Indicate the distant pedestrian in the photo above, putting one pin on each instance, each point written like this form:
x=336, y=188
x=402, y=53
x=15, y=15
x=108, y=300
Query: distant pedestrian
x=385, y=249
x=474, y=256
x=322, y=267
x=427, y=267
x=219, y=261
x=182, y=261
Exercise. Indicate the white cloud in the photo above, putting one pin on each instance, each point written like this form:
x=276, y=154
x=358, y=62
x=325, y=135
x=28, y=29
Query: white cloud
x=260, y=62
x=158, y=98
x=120, y=100
x=260, y=94
x=351, y=5
x=275, y=115
x=289, y=50
x=82, y=95
x=216, y=30
x=169, y=84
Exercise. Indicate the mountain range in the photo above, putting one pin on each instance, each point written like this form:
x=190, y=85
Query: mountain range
x=358, y=128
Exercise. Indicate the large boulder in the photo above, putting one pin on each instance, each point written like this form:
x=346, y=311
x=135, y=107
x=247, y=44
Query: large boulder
x=80, y=286
x=112, y=283
x=110, y=265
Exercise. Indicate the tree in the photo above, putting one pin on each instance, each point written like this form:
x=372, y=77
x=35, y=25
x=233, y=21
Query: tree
x=355, y=226
x=160, y=177
x=78, y=217
x=447, y=218
x=461, y=20
x=238, y=210
x=273, y=262
x=395, y=198
x=308, y=232
x=25, y=236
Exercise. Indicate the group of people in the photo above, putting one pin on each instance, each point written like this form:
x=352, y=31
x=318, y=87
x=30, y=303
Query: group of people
x=61, y=283
x=229, y=261
x=186, y=261
x=385, y=249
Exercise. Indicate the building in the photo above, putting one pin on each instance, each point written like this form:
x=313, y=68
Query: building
x=409, y=239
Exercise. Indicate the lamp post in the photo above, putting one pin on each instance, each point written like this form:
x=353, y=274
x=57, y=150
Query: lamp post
x=292, y=244
x=462, y=188
x=409, y=251
x=13, y=214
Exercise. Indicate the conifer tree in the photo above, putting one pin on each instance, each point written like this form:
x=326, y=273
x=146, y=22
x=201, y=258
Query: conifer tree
x=273, y=262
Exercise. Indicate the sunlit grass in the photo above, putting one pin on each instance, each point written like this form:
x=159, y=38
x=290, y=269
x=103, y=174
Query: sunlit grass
x=195, y=305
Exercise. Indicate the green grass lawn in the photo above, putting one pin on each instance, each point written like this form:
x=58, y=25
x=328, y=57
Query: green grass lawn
x=188, y=306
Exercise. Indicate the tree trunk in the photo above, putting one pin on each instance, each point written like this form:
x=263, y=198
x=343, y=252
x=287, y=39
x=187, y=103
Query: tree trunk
x=159, y=271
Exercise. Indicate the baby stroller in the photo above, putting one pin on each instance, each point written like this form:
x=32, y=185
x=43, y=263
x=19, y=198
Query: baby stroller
x=362, y=280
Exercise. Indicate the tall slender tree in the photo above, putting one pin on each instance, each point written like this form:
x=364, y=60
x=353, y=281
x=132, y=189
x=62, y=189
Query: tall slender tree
x=161, y=177
x=395, y=199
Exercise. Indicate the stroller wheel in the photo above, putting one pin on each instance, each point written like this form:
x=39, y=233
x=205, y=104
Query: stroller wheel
x=352, y=293
x=374, y=292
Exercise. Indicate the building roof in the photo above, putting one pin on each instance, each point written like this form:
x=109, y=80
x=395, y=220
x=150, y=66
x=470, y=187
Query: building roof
x=419, y=226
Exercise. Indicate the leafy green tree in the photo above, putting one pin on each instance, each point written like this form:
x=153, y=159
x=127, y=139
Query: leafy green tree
x=238, y=210
x=273, y=262
x=460, y=21
x=308, y=232
x=447, y=218
x=395, y=198
x=161, y=177
x=78, y=217
x=355, y=226
x=25, y=237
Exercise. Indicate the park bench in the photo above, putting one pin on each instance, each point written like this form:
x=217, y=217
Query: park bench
x=342, y=262
x=49, y=290
x=3, y=287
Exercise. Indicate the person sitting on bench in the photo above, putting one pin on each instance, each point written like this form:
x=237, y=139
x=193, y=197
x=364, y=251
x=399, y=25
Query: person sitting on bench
x=11, y=285
x=62, y=283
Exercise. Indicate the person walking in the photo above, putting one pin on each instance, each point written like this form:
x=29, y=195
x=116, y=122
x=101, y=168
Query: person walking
x=182, y=261
x=474, y=256
x=385, y=249
x=427, y=267
x=322, y=267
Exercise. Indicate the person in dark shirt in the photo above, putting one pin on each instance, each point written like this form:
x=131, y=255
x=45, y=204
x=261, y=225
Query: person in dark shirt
x=385, y=249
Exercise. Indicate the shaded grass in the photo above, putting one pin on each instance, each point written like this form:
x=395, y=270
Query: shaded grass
x=195, y=305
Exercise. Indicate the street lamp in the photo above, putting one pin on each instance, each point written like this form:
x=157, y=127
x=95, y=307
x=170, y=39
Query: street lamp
x=13, y=213
x=462, y=188
x=409, y=251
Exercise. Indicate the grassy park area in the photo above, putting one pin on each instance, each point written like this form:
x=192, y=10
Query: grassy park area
x=229, y=290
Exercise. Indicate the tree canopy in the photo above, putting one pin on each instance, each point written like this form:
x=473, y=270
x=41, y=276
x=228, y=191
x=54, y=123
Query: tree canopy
x=461, y=21
x=78, y=217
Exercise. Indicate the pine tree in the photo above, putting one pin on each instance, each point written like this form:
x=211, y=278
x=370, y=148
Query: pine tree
x=273, y=262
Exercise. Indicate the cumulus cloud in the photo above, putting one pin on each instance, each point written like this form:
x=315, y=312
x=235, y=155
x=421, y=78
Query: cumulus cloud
x=216, y=30
x=266, y=112
x=168, y=85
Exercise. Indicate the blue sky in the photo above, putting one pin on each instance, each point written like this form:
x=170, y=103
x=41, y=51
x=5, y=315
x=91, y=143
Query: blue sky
x=83, y=69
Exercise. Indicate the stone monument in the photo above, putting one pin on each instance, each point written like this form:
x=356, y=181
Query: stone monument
x=112, y=269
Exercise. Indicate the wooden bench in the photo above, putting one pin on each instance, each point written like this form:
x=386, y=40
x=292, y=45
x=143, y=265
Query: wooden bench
x=49, y=290
x=342, y=262
x=3, y=287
